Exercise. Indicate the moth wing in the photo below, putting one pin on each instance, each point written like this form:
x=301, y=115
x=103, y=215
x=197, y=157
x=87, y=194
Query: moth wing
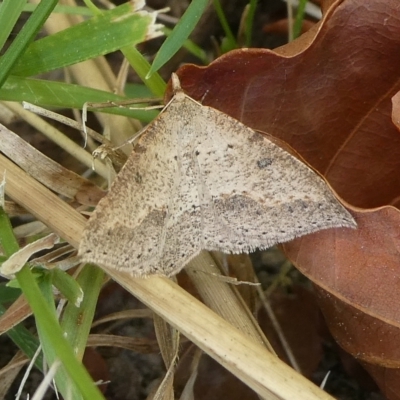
x=199, y=179
x=258, y=194
x=127, y=228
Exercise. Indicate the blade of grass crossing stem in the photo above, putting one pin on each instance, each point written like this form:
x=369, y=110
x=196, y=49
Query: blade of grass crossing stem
x=25, y=37
x=63, y=381
x=180, y=33
x=52, y=335
x=77, y=321
x=19, y=334
x=54, y=344
x=298, y=22
x=10, y=10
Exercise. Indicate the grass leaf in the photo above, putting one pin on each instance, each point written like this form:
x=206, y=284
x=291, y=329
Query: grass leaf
x=104, y=33
x=178, y=36
x=65, y=95
x=25, y=37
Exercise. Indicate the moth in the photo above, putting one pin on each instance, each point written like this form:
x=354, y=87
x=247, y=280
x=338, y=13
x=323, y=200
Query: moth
x=199, y=179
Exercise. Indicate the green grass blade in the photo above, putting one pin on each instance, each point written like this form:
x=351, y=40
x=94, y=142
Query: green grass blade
x=249, y=21
x=89, y=4
x=298, y=22
x=62, y=380
x=104, y=33
x=230, y=41
x=24, y=339
x=8, y=294
x=10, y=10
x=67, y=285
x=54, y=344
x=64, y=95
x=192, y=48
x=180, y=33
x=8, y=242
x=52, y=338
x=77, y=321
x=142, y=67
x=139, y=64
x=25, y=37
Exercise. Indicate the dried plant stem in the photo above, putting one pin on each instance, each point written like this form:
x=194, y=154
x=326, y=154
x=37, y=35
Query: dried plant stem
x=59, y=138
x=223, y=298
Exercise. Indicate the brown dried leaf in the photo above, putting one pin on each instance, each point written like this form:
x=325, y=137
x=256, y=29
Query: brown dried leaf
x=140, y=345
x=9, y=372
x=330, y=98
x=360, y=267
x=15, y=314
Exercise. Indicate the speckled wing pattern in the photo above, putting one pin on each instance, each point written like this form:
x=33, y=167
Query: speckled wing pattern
x=199, y=179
